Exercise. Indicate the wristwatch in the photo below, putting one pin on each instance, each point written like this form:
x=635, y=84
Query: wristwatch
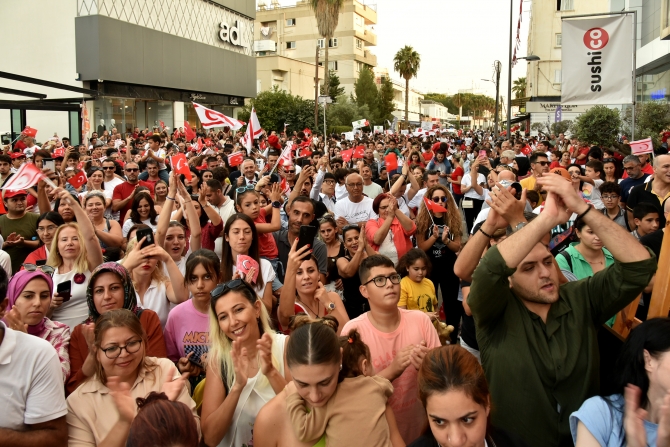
x=276, y=204
x=330, y=306
x=519, y=226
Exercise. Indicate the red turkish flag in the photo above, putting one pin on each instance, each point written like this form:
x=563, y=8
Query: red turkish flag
x=526, y=150
x=391, y=162
x=78, y=180
x=190, y=134
x=28, y=175
x=307, y=132
x=29, y=132
x=60, y=152
x=359, y=152
x=81, y=165
x=236, y=159
x=286, y=189
x=208, y=142
x=305, y=152
x=180, y=165
x=434, y=207
x=162, y=124
x=346, y=155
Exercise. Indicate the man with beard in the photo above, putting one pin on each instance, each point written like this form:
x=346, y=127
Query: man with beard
x=538, y=341
x=122, y=197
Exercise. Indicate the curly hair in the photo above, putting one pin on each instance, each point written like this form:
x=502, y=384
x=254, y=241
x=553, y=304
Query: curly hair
x=453, y=218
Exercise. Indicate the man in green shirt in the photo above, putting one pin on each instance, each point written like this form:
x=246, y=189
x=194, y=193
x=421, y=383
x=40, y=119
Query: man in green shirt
x=538, y=341
x=18, y=228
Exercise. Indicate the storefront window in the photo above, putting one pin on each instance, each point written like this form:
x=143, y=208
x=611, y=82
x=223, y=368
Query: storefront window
x=654, y=87
x=114, y=112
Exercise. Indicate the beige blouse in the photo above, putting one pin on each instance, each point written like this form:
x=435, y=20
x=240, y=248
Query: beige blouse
x=92, y=412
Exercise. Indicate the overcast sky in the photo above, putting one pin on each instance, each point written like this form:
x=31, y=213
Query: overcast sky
x=458, y=40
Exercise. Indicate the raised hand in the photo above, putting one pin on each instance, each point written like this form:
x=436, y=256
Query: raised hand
x=14, y=321
x=264, y=349
x=240, y=364
x=321, y=293
x=634, y=417
x=172, y=386
x=125, y=404
x=185, y=366
x=275, y=192
x=295, y=256
x=402, y=360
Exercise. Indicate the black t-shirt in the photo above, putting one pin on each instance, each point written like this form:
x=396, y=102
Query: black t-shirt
x=468, y=332
x=643, y=194
x=439, y=254
x=653, y=241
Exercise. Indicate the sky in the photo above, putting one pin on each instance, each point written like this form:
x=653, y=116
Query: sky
x=458, y=40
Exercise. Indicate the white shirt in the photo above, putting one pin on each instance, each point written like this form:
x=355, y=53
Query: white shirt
x=75, y=311
x=341, y=191
x=155, y=298
x=372, y=190
x=354, y=212
x=418, y=198
x=467, y=181
x=267, y=273
x=6, y=262
x=128, y=224
x=31, y=381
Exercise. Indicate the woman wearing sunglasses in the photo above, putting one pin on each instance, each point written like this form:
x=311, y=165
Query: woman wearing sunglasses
x=101, y=411
x=439, y=235
x=389, y=235
x=110, y=288
x=29, y=293
x=246, y=365
x=47, y=224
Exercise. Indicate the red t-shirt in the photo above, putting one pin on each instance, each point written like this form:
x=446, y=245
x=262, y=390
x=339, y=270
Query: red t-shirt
x=582, y=151
x=428, y=155
x=124, y=190
x=458, y=172
x=267, y=247
x=666, y=135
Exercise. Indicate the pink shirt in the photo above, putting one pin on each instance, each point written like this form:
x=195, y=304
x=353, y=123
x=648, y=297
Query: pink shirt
x=401, y=239
x=414, y=327
x=187, y=330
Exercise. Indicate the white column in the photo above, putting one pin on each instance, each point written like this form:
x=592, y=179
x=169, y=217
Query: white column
x=178, y=114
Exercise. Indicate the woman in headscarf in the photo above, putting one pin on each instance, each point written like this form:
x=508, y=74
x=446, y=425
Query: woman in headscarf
x=29, y=294
x=110, y=288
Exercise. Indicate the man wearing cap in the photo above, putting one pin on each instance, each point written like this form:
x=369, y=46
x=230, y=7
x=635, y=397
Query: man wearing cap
x=18, y=228
x=17, y=160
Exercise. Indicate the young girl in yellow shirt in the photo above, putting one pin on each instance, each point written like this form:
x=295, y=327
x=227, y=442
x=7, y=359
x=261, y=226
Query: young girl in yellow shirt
x=417, y=292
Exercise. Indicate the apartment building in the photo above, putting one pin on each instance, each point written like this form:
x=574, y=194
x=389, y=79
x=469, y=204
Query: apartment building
x=543, y=77
x=291, y=32
x=436, y=112
x=653, y=49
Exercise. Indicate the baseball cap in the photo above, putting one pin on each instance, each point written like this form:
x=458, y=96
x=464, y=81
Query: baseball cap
x=16, y=155
x=9, y=194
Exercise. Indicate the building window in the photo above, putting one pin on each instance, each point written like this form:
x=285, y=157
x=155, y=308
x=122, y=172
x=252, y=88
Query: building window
x=290, y=22
x=359, y=66
x=290, y=45
x=359, y=44
x=564, y=5
x=358, y=20
x=332, y=65
x=557, y=76
x=559, y=39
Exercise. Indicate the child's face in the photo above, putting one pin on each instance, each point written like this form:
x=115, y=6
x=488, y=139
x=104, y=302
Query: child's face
x=417, y=271
x=590, y=173
x=648, y=224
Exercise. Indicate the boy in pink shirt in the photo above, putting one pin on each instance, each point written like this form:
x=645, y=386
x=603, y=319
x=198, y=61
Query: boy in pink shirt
x=398, y=339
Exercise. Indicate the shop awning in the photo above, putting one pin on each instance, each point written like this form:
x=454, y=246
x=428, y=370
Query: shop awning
x=519, y=119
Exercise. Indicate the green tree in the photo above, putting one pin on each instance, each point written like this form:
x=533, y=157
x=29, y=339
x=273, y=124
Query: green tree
x=344, y=111
x=276, y=107
x=327, y=13
x=561, y=127
x=599, y=126
x=365, y=91
x=651, y=118
x=385, y=106
x=519, y=87
x=407, y=62
x=335, y=90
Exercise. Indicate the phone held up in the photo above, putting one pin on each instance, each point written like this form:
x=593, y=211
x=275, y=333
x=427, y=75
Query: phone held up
x=306, y=237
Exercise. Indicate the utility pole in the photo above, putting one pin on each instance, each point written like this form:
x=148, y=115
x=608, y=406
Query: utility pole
x=316, y=87
x=496, y=69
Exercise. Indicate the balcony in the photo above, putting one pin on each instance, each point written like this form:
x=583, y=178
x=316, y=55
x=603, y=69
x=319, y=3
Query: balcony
x=368, y=12
x=368, y=36
x=367, y=58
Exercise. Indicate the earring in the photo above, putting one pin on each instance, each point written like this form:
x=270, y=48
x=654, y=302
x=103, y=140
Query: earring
x=340, y=367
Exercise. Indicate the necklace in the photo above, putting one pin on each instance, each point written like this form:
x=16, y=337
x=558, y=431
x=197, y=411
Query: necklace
x=309, y=308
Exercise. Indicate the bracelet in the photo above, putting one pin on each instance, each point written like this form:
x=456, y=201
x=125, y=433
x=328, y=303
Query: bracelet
x=169, y=198
x=485, y=233
x=581, y=216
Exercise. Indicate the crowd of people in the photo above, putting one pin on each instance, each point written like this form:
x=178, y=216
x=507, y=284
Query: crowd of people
x=422, y=288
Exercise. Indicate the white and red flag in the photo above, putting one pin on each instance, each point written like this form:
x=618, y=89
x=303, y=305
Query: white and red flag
x=28, y=175
x=211, y=118
x=640, y=147
x=236, y=158
x=78, y=180
x=254, y=131
x=180, y=165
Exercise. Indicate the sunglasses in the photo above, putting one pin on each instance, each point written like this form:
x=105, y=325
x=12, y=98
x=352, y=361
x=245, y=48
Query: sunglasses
x=132, y=170
x=226, y=287
x=47, y=269
x=440, y=199
x=109, y=168
x=609, y=160
x=242, y=189
x=542, y=163
x=290, y=171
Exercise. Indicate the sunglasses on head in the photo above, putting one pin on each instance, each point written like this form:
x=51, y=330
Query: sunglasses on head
x=242, y=189
x=226, y=287
x=47, y=269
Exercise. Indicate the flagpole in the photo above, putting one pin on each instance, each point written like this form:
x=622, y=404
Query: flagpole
x=280, y=157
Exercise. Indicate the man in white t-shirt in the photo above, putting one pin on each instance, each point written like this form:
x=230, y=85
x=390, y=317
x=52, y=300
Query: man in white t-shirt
x=356, y=208
x=223, y=205
x=370, y=188
x=156, y=152
x=33, y=397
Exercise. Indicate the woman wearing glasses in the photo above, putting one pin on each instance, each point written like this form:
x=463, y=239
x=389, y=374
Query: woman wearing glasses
x=47, y=224
x=110, y=288
x=101, y=411
x=389, y=235
x=75, y=250
x=439, y=235
x=246, y=365
x=29, y=293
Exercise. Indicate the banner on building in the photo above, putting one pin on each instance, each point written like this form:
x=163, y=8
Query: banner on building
x=597, y=61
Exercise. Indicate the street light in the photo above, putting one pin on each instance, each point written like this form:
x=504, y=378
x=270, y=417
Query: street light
x=529, y=58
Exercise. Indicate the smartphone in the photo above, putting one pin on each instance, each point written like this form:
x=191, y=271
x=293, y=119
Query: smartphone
x=64, y=290
x=49, y=163
x=148, y=233
x=482, y=153
x=306, y=237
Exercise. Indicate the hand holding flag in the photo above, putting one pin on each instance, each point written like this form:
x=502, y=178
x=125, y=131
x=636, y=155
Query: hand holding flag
x=180, y=165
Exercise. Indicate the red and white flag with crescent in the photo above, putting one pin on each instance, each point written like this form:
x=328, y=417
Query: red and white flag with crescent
x=180, y=165
x=211, y=118
x=642, y=147
x=28, y=175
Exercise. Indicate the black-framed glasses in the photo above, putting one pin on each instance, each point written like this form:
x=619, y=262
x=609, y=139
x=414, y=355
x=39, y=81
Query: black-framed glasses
x=542, y=163
x=226, y=287
x=114, y=351
x=242, y=189
x=132, y=169
x=47, y=269
x=440, y=199
x=380, y=281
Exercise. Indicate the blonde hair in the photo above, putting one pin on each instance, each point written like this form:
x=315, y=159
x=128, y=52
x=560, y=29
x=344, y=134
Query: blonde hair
x=156, y=275
x=219, y=352
x=56, y=260
x=453, y=217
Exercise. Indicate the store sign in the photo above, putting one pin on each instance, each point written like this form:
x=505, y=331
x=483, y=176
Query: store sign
x=265, y=45
x=231, y=34
x=657, y=95
x=550, y=107
x=196, y=97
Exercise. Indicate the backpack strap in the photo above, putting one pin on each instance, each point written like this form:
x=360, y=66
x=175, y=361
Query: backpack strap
x=567, y=258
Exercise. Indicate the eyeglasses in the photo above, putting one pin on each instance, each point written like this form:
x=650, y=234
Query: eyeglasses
x=290, y=171
x=114, y=351
x=132, y=169
x=542, y=163
x=609, y=160
x=380, y=281
x=226, y=287
x=109, y=168
x=329, y=182
x=50, y=228
x=355, y=185
x=43, y=268
x=242, y=189
x=440, y=199
x=614, y=197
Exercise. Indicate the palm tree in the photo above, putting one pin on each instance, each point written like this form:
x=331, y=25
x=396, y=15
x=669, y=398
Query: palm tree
x=406, y=62
x=519, y=87
x=327, y=13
